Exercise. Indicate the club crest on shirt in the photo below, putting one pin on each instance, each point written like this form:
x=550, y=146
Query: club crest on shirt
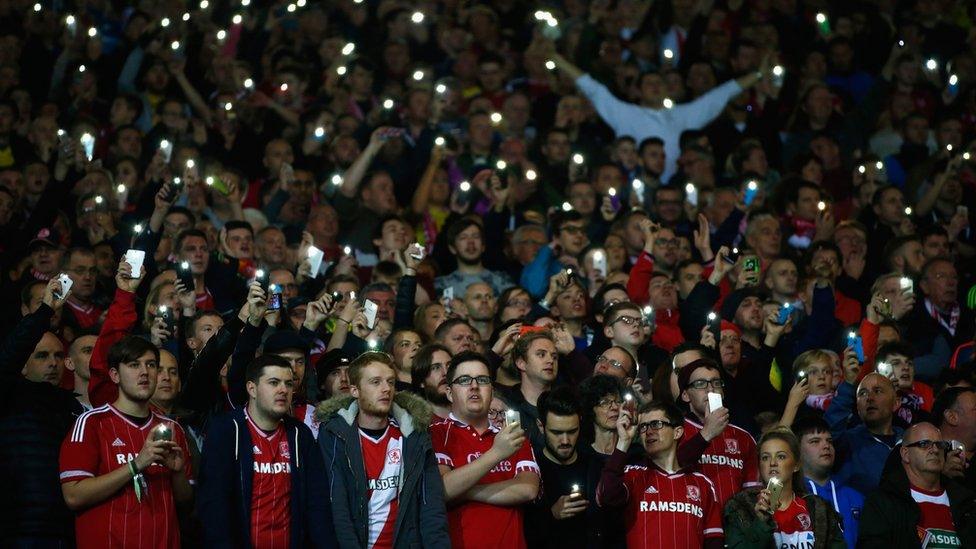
x=693, y=493
x=283, y=449
x=732, y=446
x=804, y=520
x=393, y=456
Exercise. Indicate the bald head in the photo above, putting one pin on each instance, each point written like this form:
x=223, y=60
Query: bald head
x=877, y=402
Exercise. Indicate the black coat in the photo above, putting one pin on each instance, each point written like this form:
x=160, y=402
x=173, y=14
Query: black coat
x=34, y=419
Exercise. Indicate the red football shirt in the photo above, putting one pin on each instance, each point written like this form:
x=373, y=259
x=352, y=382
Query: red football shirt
x=730, y=460
x=935, y=527
x=382, y=458
x=670, y=510
x=87, y=316
x=793, y=525
x=101, y=441
x=271, y=488
x=474, y=524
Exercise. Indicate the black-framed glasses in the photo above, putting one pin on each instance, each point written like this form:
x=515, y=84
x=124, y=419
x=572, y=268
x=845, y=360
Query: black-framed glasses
x=465, y=381
x=655, y=425
x=925, y=444
x=629, y=320
x=716, y=383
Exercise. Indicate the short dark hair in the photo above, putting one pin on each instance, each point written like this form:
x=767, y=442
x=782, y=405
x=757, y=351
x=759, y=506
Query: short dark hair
x=441, y=332
x=235, y=224
x=256, y=368
x=460, y=226
x=561, y=401
x=522, y=345
x=894, y=348
x=422, y=364
x=128, y=349
x=187, y=234
x=809, y=425
x=617, y=308
x=560, y=218
x=895, y=245
x=378, y=230
x=671, y=411
x=647, y=142
x=466, y=356
x=945, y=400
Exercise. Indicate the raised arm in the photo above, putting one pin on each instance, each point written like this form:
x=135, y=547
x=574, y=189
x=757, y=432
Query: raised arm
x=119, y=321
x=354, y=175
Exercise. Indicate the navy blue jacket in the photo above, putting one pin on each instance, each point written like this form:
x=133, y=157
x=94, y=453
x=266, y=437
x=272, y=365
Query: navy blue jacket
x=225, y=485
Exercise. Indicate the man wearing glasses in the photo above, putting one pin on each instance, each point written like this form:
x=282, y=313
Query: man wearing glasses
x=568, y=240
x=80, y=267
x=665, y=505
x=728, y=453
x=488, y=472
x=915, y=502
x=624, y=325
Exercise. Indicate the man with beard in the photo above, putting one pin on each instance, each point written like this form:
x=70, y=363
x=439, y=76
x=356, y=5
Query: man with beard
x=664, y=505
x=262, y=479
x=466, y=243
x=558, y=518
x=479, y=300
x=488, y=473
x=380, y=459
x=429, y=377
x=115, y=458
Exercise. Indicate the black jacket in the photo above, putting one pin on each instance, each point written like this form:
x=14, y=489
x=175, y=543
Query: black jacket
x=34, y=419
x=226, y=486
x=890, y=514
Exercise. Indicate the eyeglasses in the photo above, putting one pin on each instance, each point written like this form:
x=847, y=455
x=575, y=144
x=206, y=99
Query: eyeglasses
x=629, y=320
x=609, y=402
x=495, y=414
x=655, y=425
x=465, y=381
x=615, y=363
x=925, y=444
x=519, y=303
x=704, y=383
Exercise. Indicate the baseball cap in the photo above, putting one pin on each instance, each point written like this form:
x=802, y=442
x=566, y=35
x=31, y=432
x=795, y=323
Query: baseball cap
x=45, y=237
x=732, y=302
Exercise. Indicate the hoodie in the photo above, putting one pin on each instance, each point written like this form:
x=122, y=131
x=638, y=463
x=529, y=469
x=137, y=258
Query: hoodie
x=421, y=519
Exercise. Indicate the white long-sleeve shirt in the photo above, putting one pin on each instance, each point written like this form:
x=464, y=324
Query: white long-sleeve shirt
x=643, y=122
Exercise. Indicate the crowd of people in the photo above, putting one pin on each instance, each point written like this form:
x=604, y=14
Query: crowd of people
x=375, y=273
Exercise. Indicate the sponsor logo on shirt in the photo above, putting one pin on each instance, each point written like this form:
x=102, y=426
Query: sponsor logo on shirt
x=937, y=538
x=732, y=446
x=671, y=507
x=693, y=493
x=387, y=483
x=283, y=449
x=272, y=468
x=393, y=456
x=804, y=520
x=502, y=467
x=709, y=459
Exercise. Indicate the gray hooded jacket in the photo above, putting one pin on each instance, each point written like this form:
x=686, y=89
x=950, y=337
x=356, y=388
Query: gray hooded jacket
x=421, y=519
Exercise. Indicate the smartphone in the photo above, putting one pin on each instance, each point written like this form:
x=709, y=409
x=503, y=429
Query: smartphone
x=630, y=404
x=167, y=148
x=962, y=210
x=262, y=278
x=691, y=191
x=185, y=275
x=854, y=341
x=600, y=263
x=751, y=264
x=274, y=299
x=752, y=189
x=175, y=188
x=315, y=258
x=169, y=319
x=885, y=369
x=784, y=313
x=733, y=256
x=775, y=489
x=416, y=251
x=370, y=309
x=287, y=173
x=575, y=492
x=218, y=184
x=907, y=285
x=958, y=446
x=714, y=401
x=512, y=418
x=66, y=283
x=88, y=142
x=135, y=259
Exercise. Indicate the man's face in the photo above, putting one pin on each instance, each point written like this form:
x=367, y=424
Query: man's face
x=129, y=142
x=385, y=301
x=323, y=221
x=241, y=243
x=395, y=237
x=376, y=389
x=435, y=384
x=378, y=194
x=668, y=206
x=562, y=433
x=480, y=301
x=666, y=248
x=767, y=238
x=167, y=378
x=196, y=250
x=891, y=208
x=963, y=412
x=806, y=203
x=663, y=295
x=936, y=245
x=276, y=153
x=616, y=363
x=203, y=329
x=405, y=347
x=571, y=303
x=697, y=399
x=851, y=241
x=273, y=392
x=46, y=361
x=876, y=400
x=137, y=379
x=902, y=371
x=471, y=400
x=541, y=362
x=45, y=259
x=271, y=247
x=285, y=281
x=819, y=104
x=941, y=283
x=527, y=245
x=460, y=338
x=82, y=271
x=817, y=451
x=652, y=158
x=633, y=237
x=626, y=328
x=730, y=347
x=922, y=460
x=781, y=277
x=660, y=441
x=297, y=359
x=749, y=314
x=652, y=89
x=556, y=148
x=175, y=223
x=688, y=277
x=916, y=130
x=79, y=356
x=583, y=198
x=36, y=177
x=468, y=246
x=491, y=76
x=572, y=237
x=912, y=257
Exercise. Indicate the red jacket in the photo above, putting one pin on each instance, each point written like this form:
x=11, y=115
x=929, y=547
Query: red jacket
x=119, y=322
x=667, y=334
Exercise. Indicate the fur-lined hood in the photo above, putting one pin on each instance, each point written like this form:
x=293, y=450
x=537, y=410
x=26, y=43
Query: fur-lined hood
x=409, y=410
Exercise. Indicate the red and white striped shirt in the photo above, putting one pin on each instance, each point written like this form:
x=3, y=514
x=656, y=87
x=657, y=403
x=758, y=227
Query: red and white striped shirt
x=271, y=488
x=101, y=441
x=474, y=525
x=670, y=510
x=383, y=459
x=730, y=460
x=935, y=527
